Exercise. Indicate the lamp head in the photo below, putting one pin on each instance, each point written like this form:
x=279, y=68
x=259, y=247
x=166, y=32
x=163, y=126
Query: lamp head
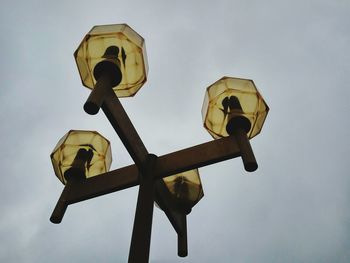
x=125, y=53
x=81, y=154
x=230, y=103
x=185, y=190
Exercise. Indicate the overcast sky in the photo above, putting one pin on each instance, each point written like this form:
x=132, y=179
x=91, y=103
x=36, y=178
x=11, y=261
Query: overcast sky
x=294, y=208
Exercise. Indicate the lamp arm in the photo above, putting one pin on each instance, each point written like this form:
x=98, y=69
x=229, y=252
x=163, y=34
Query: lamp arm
x=62, y=204
x=169, y=164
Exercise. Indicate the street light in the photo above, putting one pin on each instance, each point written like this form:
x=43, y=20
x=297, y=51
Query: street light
x=234, y=106
x=185, y=190
x=176, y=195
x=77, y=156
x=114, y=45
x=112, y=62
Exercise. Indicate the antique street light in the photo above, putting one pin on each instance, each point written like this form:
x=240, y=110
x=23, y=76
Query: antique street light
x=78, y=155
x=234, y=106
x=112, y=62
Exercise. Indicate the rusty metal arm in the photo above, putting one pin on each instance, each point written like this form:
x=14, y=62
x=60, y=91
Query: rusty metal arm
x=106, y=183
x=126, y=131
x=141, y=233
x=197, y=156
x=103, y=96
x=166, y=165
x=176, y=217
x=162, y=198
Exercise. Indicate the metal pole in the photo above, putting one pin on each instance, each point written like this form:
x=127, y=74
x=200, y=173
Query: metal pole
x=61, y=206
x=108, y=75
x=239, y=125
x=247, y=154
x=142, y=230
x=97, y=95
x=182, y=247
x=76, y=173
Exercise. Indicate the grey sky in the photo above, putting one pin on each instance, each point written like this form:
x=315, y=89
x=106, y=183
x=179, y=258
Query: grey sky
x=294, y=208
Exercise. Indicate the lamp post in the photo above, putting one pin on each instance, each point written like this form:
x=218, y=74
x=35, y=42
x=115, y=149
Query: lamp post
x=112, y=62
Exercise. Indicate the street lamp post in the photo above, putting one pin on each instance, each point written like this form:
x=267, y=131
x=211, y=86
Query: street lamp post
x=112, y=62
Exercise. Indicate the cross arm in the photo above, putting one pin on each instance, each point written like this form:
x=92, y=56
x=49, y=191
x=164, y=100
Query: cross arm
x=106, y=183
x=166, y=165
x=197, y=156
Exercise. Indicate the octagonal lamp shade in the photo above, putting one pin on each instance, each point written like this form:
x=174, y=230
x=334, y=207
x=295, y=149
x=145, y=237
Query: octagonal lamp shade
x=81, y=154
x=231, y=99
x=120, y=45
x=185, y=188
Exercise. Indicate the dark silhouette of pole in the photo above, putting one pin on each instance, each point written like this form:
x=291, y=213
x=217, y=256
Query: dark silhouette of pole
x=142, y=230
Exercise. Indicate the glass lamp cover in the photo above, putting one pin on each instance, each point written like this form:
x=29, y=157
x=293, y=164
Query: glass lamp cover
x=185, y=188
x=71, y=143
x=216, y=111
x=117, y=42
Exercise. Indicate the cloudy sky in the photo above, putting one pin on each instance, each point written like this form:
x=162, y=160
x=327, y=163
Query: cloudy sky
x=294, y=208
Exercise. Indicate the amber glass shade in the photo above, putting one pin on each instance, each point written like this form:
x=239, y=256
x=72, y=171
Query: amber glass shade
x=96, y=147
x=228, y=98
x=185, y=188
x=118, y=43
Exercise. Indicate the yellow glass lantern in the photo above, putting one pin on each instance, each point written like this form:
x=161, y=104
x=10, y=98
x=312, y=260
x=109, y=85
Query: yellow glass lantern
x=231, y=101
x=120, y=45
x=185, y=189
x=81, y=154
